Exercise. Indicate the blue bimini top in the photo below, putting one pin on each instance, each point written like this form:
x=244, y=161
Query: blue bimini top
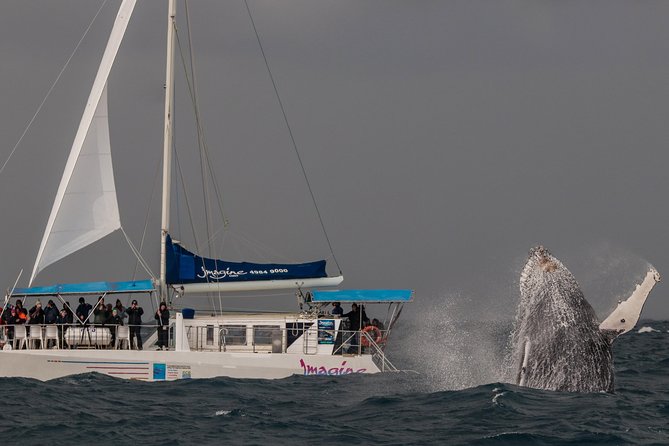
x=368, y=296
x=135, y=286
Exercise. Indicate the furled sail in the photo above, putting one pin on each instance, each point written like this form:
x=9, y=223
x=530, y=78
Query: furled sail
x=85, y=208
x=184, y=267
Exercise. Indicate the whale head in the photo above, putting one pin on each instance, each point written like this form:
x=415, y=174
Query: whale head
x=542, y=269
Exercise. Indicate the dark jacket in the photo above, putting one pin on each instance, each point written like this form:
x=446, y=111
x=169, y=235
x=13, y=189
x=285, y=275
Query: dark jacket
x=354, y=318
x=164, y=317
x=36, y=315
x=115, y=320
x=100, y=314
x=15, y=320
x=83, y=310
x=50, y=315
x=134, y=315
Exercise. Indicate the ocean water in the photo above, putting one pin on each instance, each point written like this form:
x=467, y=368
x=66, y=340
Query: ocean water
x=442, y=403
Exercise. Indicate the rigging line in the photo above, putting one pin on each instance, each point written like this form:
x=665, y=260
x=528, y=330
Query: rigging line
x=148, y=213
x=139, y=257
x=201, y=142
x=177, y=231
x=204, y=148
x=292, y=138
x=200, y=130
x=48, y=93
x=260, y=247
x=204, y=158
x=202, y=170
x=190, y=213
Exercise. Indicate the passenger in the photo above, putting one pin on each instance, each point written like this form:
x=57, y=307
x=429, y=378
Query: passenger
x=100, y=314
x=83, y=309
x=113, y=322
x=356, y=316
x=50, y=313
x=3, y=321
x=353, y=317
x=68, y=309
x=135, y=323
x=121, y=309
x=15, y=318
x=62, y=320
x=21, y=312
x=36, y=314
x=337, y=310
x=7, y=314
x=163, y=318
x=378, y=324
x=10, y=319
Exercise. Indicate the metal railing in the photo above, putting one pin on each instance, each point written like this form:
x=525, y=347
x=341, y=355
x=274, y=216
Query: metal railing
x=276, y=339
x=78, y=336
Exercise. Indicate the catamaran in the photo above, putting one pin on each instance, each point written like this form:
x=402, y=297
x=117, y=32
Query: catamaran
x=309, y=341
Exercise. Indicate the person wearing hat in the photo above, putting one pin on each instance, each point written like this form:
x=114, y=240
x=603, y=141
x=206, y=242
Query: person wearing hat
x=36, y=314
x=135, y=323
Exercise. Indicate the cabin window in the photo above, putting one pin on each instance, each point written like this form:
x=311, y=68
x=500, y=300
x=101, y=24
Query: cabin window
x=266, y=334
x=233, y=335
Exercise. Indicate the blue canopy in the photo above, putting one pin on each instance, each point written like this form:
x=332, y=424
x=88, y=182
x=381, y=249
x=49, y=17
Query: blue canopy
x=368, y=296
x=185, y=267
x=136, y=286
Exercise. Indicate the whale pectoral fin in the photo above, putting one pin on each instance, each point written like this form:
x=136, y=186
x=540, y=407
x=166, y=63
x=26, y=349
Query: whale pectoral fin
x=626, y=314
x=522, y=370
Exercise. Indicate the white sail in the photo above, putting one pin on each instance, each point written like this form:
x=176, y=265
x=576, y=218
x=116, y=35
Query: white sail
x=85, y=208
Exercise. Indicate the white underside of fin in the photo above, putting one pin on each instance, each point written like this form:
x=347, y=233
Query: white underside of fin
x=523, y=368
x=627, y=313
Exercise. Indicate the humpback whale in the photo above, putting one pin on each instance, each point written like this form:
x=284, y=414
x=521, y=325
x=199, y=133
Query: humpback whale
x=557, y=342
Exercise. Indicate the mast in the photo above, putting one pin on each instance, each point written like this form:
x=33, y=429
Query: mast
x=167, y=144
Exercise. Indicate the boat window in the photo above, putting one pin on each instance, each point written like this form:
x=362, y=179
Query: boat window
x=210, y=335
x=266, y=334
x=233, y=335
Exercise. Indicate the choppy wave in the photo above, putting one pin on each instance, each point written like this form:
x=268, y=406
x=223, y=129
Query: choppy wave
x=398, y=408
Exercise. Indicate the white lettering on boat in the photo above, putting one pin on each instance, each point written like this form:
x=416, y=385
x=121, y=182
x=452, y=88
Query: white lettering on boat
x=216, y=274
x=219, y=274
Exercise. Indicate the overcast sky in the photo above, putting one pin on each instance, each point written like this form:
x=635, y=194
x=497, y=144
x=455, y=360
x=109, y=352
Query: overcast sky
x=443, y=139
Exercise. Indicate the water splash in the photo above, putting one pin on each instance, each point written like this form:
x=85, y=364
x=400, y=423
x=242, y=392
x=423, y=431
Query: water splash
x=451, y=348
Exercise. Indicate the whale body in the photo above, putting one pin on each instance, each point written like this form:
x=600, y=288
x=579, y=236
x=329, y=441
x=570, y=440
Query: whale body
x=558, y=343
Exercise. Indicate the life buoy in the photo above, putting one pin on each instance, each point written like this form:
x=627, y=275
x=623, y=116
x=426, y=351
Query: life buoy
x=377, y=336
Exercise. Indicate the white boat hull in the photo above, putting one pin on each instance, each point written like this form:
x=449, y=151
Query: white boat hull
x=172, y=365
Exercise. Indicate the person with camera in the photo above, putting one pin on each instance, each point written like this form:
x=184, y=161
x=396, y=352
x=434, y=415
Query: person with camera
x=135, y=323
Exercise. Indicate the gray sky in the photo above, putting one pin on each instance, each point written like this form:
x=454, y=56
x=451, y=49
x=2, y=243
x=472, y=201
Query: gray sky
x=443, y=139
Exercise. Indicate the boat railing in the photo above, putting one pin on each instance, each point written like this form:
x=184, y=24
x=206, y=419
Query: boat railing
x=306, y=339
x=74, y=336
